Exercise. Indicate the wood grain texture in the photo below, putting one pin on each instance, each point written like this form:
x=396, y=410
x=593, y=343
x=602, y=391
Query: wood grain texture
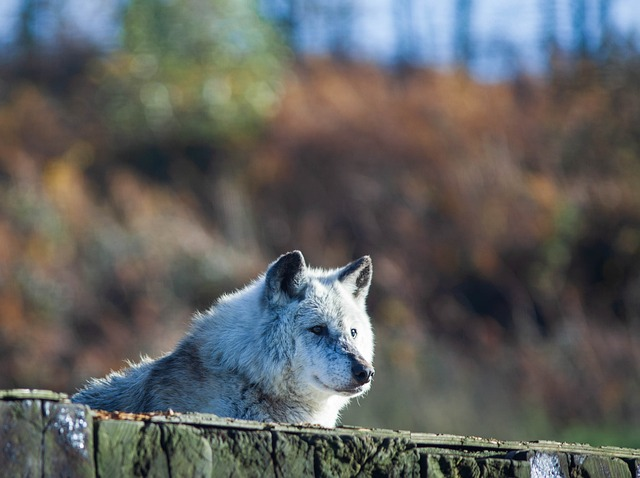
x=43, y=434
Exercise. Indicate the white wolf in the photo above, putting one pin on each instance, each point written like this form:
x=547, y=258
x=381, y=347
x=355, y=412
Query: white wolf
x=293, y=346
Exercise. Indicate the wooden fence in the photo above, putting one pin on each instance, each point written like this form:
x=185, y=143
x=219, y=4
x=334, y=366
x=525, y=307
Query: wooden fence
x=43, y=434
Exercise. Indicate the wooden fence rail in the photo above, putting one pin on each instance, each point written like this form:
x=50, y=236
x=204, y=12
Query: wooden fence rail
x=43, y=434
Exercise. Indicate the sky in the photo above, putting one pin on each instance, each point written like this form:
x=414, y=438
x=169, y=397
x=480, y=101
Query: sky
x=500, y=28
x=91, y=19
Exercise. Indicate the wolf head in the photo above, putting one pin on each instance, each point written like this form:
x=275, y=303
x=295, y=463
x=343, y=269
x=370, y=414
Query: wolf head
x=322, y=315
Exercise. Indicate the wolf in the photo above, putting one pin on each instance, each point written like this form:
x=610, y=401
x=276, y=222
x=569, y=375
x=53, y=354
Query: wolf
x=295, y=346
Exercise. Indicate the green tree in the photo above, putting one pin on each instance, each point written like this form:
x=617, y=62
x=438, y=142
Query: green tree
x=192, y=71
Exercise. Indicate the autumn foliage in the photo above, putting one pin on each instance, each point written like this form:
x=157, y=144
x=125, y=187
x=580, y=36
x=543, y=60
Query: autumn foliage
x=503, y=221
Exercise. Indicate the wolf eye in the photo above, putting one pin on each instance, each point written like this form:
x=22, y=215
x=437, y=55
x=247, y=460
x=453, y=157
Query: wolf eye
x=319, y=329
x=354, y=333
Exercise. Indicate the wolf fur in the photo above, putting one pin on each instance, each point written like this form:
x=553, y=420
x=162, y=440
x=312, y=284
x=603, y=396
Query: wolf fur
x=293, y=346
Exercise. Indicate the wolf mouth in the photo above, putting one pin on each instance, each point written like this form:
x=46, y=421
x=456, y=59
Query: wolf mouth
x=349, y=391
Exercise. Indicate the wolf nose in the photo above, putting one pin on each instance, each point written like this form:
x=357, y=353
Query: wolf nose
x=362, y=373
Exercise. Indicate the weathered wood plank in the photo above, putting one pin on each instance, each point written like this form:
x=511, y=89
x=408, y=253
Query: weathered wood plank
x=292, y=455
x=241, y=453
x=21, y=428
x=503, y=467
x=364, y=455
x=67, y=440
x=188, y=452
x=126, y=448
x=601, y=467
x=43, y=434
x=549, y=465
x=422, y=440
x=32, y=394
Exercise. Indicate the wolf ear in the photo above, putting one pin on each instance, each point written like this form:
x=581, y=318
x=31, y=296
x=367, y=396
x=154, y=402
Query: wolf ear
x=356, y=276
x=285, y=278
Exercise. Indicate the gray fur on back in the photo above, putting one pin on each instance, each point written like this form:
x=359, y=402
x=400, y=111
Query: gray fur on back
x=293, y=346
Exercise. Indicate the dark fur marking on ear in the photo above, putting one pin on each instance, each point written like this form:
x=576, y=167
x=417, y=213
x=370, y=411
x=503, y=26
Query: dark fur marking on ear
x=361, y=267
x=290, y=275
x=286, y=275
x=363, y=277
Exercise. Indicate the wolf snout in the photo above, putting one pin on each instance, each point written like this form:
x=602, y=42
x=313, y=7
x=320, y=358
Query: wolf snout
x=362, y=372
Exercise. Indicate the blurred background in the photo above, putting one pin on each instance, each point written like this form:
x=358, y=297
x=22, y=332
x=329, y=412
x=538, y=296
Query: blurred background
x=485, y=153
